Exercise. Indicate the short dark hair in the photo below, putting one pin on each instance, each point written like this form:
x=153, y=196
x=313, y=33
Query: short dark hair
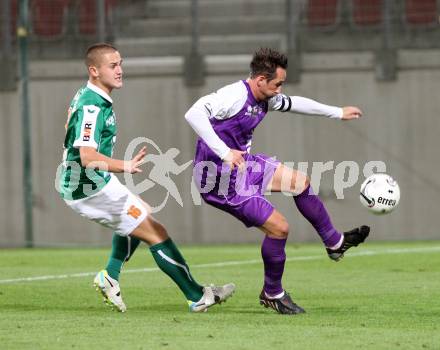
x=266, y=61
x=95, y=51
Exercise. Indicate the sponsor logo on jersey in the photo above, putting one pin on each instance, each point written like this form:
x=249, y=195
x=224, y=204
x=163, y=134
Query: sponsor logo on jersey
x=87, y=131
x=253, y=111
x=208, y=108
x=110, y=120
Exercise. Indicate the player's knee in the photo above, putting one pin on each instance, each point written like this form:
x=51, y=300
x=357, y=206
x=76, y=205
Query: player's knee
x=285, y=229
x=282, y=229
x=300, y=183
x=151, y=231
x=156, y=228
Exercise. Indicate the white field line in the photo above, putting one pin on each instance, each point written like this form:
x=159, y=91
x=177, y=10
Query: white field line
x=231, y=263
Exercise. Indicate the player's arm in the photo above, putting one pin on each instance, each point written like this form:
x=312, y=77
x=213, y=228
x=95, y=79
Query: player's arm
x=91, y=158
x=303, y=105
x=88, y=130
x=198, y=117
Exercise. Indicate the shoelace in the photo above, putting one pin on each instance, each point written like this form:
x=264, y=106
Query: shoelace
x=215, y=289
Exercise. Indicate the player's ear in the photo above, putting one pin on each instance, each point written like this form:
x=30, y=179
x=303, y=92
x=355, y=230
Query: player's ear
x=260, y=80
x=93, y=72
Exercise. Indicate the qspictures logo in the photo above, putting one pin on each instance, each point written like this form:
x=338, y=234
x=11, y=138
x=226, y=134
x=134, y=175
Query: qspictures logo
x=208, y=176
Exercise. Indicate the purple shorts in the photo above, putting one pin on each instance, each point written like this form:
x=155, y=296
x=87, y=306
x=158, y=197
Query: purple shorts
x=239, y=193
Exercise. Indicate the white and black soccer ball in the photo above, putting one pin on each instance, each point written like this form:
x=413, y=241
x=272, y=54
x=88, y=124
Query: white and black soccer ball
x=380, y=194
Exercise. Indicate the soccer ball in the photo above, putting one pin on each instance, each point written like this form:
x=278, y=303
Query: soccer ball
x=380, y=194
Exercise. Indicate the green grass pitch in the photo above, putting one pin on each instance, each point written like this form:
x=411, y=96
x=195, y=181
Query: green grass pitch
x=380, y=296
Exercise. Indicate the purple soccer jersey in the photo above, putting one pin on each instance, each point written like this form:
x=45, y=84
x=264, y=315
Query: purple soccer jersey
x=240, y=192
x=226, y=120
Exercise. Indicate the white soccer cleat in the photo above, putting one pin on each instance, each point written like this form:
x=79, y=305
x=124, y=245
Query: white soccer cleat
x=109, y=289
x=212, y=295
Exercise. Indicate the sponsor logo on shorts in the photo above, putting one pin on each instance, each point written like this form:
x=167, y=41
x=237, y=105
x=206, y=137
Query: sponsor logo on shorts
x=134, y=212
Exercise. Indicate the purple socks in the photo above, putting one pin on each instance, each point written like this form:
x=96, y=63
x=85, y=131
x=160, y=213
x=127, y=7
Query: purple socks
x=314, y=211
x=273, y=250
x=274, y=257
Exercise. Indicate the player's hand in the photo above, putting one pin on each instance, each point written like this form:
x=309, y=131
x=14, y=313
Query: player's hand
x=133, y=166
x=235, y=159
x=350, y=112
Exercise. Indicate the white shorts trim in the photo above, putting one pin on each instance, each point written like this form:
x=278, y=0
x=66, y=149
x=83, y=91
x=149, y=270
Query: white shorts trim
x=114, y=206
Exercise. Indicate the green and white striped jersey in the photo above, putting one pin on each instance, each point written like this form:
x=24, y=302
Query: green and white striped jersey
x=91, y=122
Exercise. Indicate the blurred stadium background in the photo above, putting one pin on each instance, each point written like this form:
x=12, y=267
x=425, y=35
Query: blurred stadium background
x=382, y=55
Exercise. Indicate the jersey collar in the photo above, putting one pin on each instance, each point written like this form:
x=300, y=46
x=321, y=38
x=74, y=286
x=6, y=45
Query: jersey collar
x=99, y=91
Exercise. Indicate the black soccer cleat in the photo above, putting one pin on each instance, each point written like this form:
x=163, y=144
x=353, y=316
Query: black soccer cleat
x=351, y=239
x=283, y=305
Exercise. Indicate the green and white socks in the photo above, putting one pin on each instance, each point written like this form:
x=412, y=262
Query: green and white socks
x=170, y=261
x=122, y=249
x=168, y=258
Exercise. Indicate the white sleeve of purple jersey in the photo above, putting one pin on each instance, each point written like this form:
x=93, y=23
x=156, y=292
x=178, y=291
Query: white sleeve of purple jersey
x=226, y=102
x=223, y=104
x=198, y=117
x=303, y=105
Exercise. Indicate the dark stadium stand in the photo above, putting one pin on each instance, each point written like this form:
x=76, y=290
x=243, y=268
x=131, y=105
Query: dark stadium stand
x=323, y=13
x=367, y=13
x=13, y=16
x=48, y=18
x=63, y=28
x=87, y=14
x=421, y=12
